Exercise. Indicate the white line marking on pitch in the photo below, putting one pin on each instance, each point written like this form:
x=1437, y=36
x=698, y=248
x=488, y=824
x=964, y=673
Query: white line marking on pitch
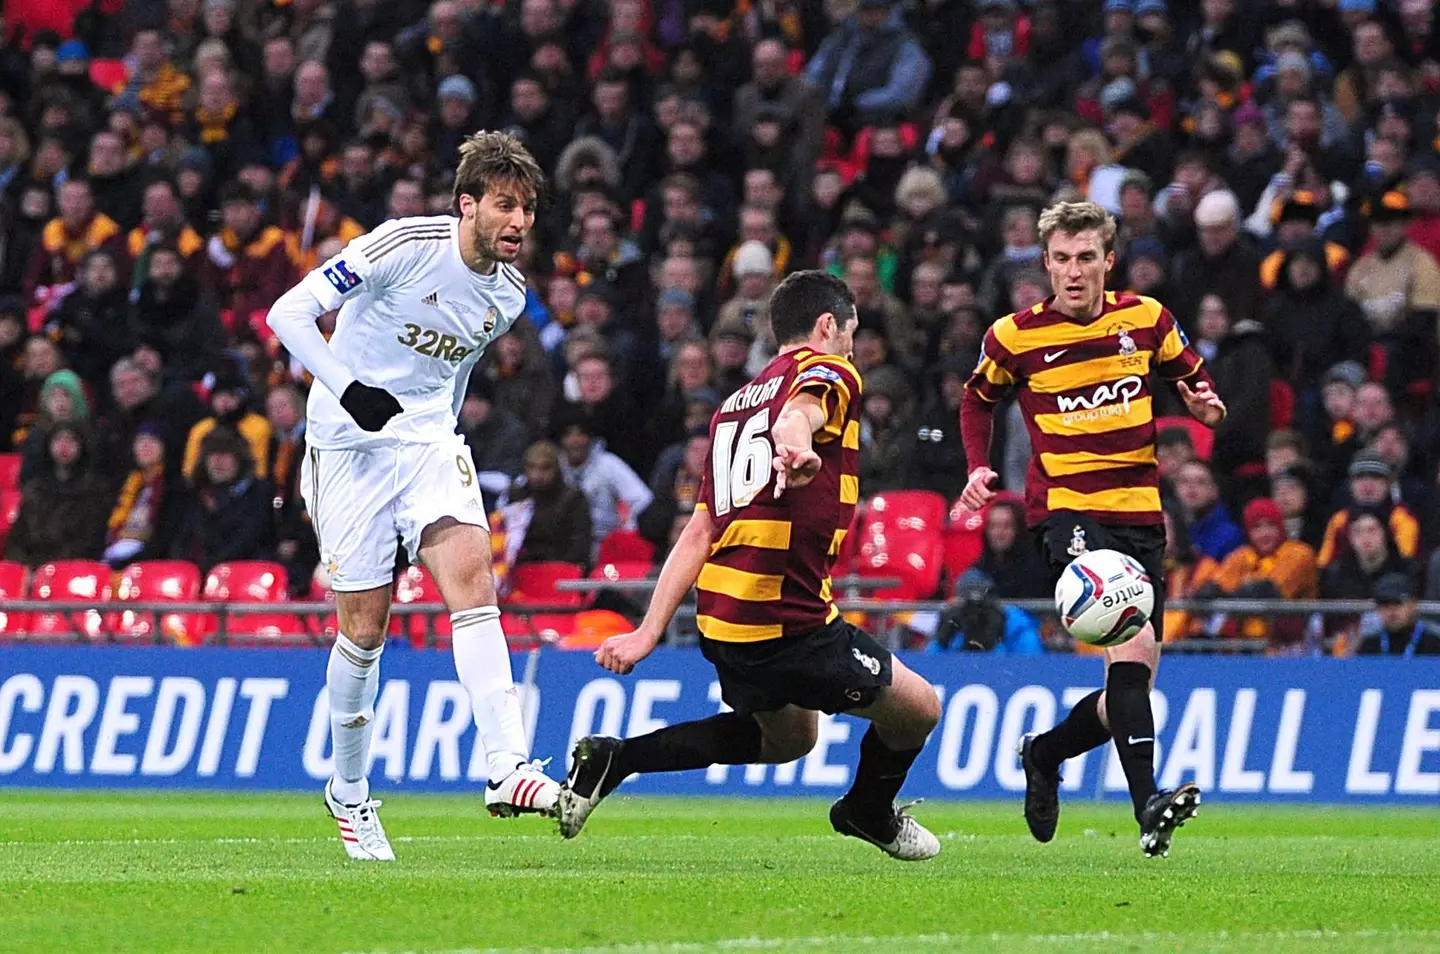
x=930, y=940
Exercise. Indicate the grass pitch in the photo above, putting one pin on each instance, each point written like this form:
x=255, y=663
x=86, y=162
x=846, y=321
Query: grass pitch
x=254, y=872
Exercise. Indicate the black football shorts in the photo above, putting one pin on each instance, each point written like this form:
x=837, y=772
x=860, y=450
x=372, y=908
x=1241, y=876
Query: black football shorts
x=1065, y=534
x=836, y=668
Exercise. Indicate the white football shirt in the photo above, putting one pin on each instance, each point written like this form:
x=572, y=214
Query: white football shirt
x=414, y=319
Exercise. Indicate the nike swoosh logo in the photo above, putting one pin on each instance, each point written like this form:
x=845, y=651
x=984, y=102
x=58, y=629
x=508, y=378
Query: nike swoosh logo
x=1135, y=741
x=1051, y=357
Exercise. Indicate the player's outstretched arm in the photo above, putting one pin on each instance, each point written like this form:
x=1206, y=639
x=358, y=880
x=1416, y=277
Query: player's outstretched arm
x=796, y=462
x=619, y=654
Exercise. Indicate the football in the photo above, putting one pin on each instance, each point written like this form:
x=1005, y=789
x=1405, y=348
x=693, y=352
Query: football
x=1104, y=598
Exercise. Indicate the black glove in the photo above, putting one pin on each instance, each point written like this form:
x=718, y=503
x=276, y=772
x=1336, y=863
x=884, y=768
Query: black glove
x=372, y=408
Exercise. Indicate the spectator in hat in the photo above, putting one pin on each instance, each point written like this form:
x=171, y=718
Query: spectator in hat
x=938, y=459
x=77, y=231
x=1222, y=261
x=730, y=344
x=1297, y=218
x=62, y=402
x=1268, y=566
x=63, y=509
x=544, y=518
x=675, y=322
x=1371, y=487
x=607, y=482
x=1397, y=284
x=1369, y=553
x=246, y=262
x=1422, y=189
x=772, y=85
x=1252, y=158
x=753, y=269
x=977, y=621
x=1312, y=325
x=458, y=112
x=1396, y=628
x=871, y=68
x=229, y=515
x=229, y=411
x=887, y=430
x=1146, y=263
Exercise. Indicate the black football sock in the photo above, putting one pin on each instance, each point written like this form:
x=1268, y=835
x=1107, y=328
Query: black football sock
x=878, y=778
x=1132, y=726
x=1081, y=731
x=725, y=739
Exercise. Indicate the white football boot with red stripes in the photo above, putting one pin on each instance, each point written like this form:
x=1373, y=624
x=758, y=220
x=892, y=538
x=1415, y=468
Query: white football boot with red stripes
x=524, y=791
x=360, y=828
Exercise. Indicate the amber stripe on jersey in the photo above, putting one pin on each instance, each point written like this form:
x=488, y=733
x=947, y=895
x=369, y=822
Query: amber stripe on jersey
x=1084, y=392
x=768, y=573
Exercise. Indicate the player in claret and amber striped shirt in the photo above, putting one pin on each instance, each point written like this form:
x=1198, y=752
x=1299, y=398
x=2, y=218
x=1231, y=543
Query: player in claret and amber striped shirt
x=1081, y=364
x=779, y=491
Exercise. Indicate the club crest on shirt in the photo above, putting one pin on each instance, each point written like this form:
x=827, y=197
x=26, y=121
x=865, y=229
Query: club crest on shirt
x=1127, y=343
x=492, y=317
x=1077, y=542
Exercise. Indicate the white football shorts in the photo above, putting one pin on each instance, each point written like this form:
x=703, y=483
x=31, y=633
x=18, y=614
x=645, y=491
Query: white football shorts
x=362, y=501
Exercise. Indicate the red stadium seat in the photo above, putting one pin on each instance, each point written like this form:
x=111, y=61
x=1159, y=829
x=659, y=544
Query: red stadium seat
x=70, y=581
x=9, y=512
x=9, y=471
x=621, y=570
x=327, y=627
x=535, y=583
x=159, y=581
x=626, y=546
x=109, y=75
x=964, y=538
x=1201, y=437
x=12, y=587
x=900, y=536
x=255, y=581
x=416, y=585
x=1282, y=404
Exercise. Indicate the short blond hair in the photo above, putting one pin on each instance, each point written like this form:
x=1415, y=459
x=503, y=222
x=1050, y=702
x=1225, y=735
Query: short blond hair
x=1072, y=218
x=490, y=158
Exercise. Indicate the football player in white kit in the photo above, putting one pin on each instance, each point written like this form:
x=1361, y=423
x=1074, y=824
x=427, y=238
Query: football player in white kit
x=419, y=301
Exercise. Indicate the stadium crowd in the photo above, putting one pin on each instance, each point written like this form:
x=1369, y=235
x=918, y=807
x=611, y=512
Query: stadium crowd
x=170, y=167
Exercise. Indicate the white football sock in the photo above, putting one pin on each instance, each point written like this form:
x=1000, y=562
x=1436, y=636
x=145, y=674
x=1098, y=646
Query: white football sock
x=352, y=678
x=482, y=661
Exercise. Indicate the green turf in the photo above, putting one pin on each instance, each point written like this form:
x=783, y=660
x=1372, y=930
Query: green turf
x=218, y=873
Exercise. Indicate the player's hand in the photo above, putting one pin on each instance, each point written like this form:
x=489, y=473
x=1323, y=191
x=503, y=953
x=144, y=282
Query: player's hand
x=372, y=408
x=1203, y=403
x=794, y=467
x=620, y=654
x=977, y=492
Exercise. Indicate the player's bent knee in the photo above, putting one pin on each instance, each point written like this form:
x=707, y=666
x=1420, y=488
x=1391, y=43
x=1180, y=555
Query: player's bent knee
x=788, y=748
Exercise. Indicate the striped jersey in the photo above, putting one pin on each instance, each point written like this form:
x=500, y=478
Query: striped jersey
x=414, y=319
x=1084, y=392
x=768, y=574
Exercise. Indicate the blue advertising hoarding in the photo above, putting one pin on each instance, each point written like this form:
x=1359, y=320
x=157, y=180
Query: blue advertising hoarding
x=1323, y=730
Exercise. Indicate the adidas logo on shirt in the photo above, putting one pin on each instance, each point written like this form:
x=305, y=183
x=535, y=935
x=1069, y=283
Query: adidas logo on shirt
x=432, y=299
